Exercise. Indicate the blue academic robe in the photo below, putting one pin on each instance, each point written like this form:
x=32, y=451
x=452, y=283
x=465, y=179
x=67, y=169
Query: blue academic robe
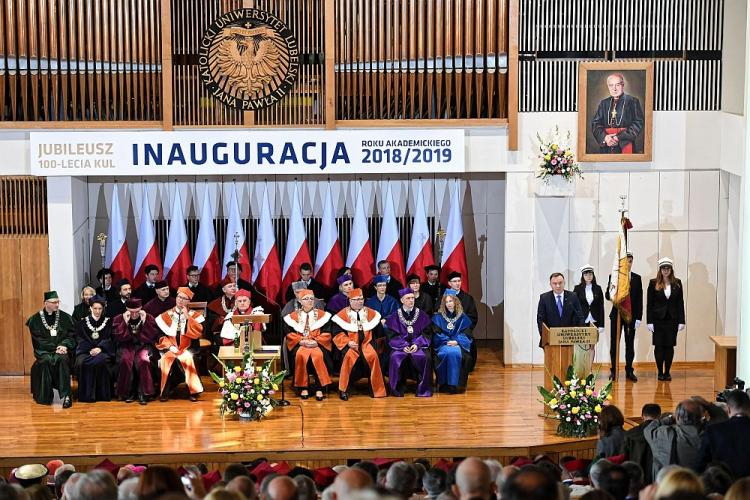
x=386, y=307
x=452, y=364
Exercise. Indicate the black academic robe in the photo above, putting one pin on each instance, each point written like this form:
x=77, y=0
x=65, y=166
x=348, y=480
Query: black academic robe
x=201, y=293
x=470, y=310
x=318, y=289
x=115, y=308
x=629, y=123
x=94, y=372
x=425, y=302
x=80, y=311
x=156, y=306
x=50, y=370
x=145, y=292
x=435, y=291
x=110, y=294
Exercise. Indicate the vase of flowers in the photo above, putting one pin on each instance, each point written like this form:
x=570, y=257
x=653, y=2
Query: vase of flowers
x=576, y=403
x=557, y=168
x=248, y=390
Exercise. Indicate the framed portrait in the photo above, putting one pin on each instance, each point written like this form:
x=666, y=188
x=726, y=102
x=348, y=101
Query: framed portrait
x=615, y=111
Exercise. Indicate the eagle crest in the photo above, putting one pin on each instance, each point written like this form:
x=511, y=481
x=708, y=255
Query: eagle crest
x=249, y=63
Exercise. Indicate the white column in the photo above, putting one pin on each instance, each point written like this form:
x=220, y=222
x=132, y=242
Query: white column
x=743, y=341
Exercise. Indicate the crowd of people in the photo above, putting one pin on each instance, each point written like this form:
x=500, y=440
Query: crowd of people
x=139, y=344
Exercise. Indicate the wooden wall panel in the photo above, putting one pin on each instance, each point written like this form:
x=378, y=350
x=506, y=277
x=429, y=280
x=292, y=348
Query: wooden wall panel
x=34, y=273
x=11, y=340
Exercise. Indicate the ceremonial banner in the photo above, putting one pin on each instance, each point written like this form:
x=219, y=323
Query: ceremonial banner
x=229, y=152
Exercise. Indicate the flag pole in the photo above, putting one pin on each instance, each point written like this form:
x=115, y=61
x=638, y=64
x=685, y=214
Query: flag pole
x=615, y=371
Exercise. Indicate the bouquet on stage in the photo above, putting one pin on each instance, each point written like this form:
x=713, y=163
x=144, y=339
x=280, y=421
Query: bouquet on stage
x=556, y=158
x=248, y=390
x=576, y=403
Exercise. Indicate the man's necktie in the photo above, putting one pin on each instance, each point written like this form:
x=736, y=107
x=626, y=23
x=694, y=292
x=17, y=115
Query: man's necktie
x=559, y=305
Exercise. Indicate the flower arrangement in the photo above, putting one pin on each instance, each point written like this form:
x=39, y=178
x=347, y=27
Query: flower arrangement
x=556, y=158
x=577, y=403
x=247, y=390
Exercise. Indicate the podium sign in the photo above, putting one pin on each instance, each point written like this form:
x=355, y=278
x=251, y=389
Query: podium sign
x=573, y=335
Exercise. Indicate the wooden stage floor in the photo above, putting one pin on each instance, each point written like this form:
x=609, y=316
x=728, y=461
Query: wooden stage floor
x=496, y=417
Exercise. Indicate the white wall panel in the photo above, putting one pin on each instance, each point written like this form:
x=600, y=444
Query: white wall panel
x=701, y=305
x=520, y=337
x=611, y=186
x=584, y=206
x=673, y=201
x=643, y=201
x=519, y=201
x=703, y=208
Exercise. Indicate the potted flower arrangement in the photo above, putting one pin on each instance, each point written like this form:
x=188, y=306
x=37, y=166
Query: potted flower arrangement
x=576, y=403
x=248, y=390
x=557, y=165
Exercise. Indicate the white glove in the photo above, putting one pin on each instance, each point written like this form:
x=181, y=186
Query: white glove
x=680, y=327
x=601, y=330
x=637, y=323
x=650, y=327
x=173, y=349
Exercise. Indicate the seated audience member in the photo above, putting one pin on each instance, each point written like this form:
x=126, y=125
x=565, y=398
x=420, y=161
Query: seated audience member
x=243, y=485
x=309, y=283
x=341, y=299
x=349, y=482
x=308, y=340
x=201, y=292
x=179, y=327
x=116, y=306
x=530, y=483
x=162, y=302
x=473, y=480
x=128, y=489
x=422, y=299
x=147, y=290
x=294, y=304
x=282, y=488
x=616, y=482
x=81, y=310
x=93, y=485
x=597, y=470
x=135, y=333
x=61, y=478
x=368, y=467
x=611, y=434
x=95, y=350
x=716, y=480
x=433, y=482
x=452, y=343
x=679, y=480
x=729, y=442
x=408, y=330
x=53, y=338
x=305, y=488
x=384, y=273
x=220, y=493
x=635, y=478
x=401, y=479
x=243, y=306
x=159, y=480
x=676, y=440
x=713, y=413
x=634, y=446
x=740, y=490
x=106, y=288
x=234, y=470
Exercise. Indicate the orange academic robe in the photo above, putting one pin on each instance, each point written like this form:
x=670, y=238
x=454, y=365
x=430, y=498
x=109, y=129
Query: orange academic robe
x=315, y=320
x=191, y=327
x=346, y=320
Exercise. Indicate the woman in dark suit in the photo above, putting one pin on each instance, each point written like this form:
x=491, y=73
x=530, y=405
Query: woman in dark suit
x=591, y=297
x=665, y=315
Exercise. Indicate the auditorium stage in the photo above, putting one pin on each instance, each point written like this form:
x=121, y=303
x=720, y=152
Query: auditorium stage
x=497, y=417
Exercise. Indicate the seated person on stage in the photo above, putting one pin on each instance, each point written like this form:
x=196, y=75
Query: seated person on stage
x=117, y=306
x=147, y=290
x=52, y=336
x=201, y=292
x=422, y=300
x=353, y=330
x=408, y=331
x=392, y=284
x=135, y=334
x=94, y=354
x=432, y=286
x=81, y=310
x=452, y=342
x=469, y=306
x=341, y=299
x=243, y=305
x=217, y=311
x=106, y=288
x=232, y=275
x=309, y=343
x=162, y=302
x=381, y=302
x=305, y=277
x=294, y=304
x=179, y=327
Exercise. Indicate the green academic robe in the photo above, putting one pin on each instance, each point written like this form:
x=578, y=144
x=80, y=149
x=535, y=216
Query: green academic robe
x=51, y=370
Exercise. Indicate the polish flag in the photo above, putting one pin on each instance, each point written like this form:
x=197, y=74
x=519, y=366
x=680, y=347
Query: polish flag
x=266, y=266
x=235, y=226
x=206, y=250
x=420, y=248
x=117, y=256
x=360, y=257
x=454, y=251
x=177, y=255
x=297, y=252
x=389, y=246
x=329, y=259
x=148, y=251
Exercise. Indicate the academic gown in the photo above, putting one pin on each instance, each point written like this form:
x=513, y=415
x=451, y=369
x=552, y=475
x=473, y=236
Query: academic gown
x=135, y=349
x=201, y=292
x=434, y=291
x=337, y=303
x=470, y=310
x=145, y=292
x=425, y=302
x=303, y=360
x=392, y=287
x=216, y=312
x=80, y=311
x=156, y=306
x=94, y=372
x=317, y=288
x=115, y=308
x=452, y=362
x=179, y=335
x=110, y=294
x=385, y=307
x=362, y=362
x=50, y=370
x=418, y=361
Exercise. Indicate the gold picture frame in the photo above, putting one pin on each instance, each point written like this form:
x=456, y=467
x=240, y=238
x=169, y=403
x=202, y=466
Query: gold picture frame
x=609, y=126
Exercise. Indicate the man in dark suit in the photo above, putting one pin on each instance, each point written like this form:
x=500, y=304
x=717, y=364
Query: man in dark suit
x=392, y=285
x=558, y=307
x=634, y=446
x=729, y=441
x=636, y=304
x=147, y=290
x=201, y=293
x=305, y=277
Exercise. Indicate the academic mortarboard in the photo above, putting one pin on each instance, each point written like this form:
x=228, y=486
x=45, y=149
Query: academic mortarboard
x=161, y=284
x=98, y=299
x=453, y=275
x=405, y=291
x=133, y=303
x=412, y=278
x=187, y=292
x=51, y=295
x=451, y=292
x=432, y=267
x=379, y=278
x=344, y=278
x=356, y=293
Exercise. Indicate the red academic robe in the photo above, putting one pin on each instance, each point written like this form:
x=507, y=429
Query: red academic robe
x=308, y=326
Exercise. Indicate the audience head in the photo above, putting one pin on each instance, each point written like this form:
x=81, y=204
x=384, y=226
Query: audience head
x=495, y=468
x=265, y=483
x=550, y=468
x=282, y=488
x=738, y=403
x=305, y=488
x=716, y=479
x=473, y=479
x=530, y=483
x=503, y=476
x=401, y=479
x=663, y=472
x=158, y=480
x=234, y=470
x=349, y=481
x=615, y=481
x=421, y=470
x=610, y=418
x=93, y=485
x=651, y=411
x=61, y=477
x=223, y=494
x=635, y=477
x=12, y=492
x=244, y=485
x=681, y=480
x=689, y=412
x=39, y=492
x=597, y=470
x=128, y=489
x=370, y=468
x=740, y=490
x=434, y=481
x=597, y=495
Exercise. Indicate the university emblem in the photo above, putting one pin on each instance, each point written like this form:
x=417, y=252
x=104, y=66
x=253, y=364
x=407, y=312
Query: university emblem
x=248, y=59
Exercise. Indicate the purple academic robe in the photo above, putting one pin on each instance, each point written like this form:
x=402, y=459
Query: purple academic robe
x=134, y=349
x=399, y=338
x=156, y=306
x=337, y=303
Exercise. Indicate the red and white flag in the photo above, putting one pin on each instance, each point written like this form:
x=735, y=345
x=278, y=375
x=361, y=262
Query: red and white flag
x=266, y=267
x=297, y=252
x=177, y=255
x=389, y=246
x=420, y=248
x=454, y=250
x=117, y=256
x=329, y=259
x=148, y=251
x=236, y=229
x=206, y=250
x=359, y=257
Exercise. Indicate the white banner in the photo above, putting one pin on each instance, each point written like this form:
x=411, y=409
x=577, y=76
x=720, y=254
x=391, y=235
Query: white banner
x=265, y=152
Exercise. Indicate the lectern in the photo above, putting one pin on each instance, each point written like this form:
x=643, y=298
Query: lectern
x=565, y=346
x=247, y=338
